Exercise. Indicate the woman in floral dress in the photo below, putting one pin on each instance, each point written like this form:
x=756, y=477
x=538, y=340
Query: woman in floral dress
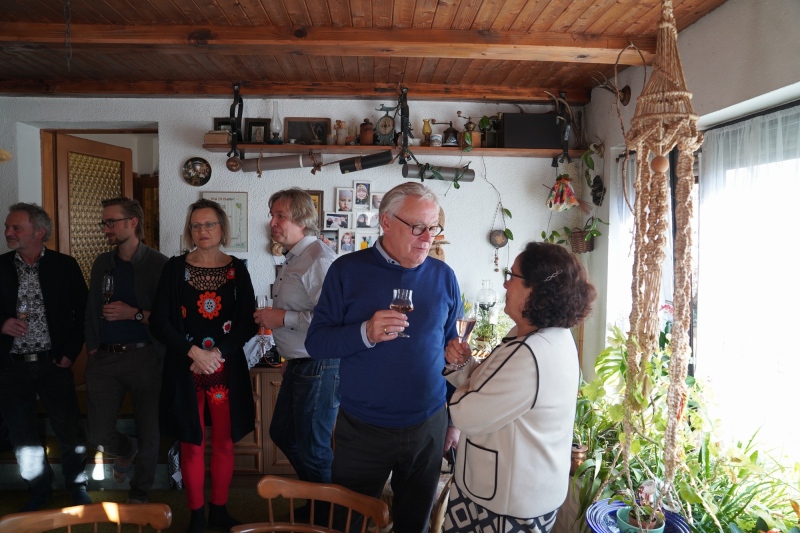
x=203, y=314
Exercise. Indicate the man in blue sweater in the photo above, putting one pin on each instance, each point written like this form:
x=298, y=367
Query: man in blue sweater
x=392, y=416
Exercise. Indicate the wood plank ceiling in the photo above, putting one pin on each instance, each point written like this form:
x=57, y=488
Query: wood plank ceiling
x=473, y=50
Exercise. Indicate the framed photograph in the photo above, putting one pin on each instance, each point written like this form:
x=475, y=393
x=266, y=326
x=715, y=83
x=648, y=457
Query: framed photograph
x=362, y=189
x=375, y=200
x=347, y=241
x=257, y=130
x=366, y=219
x=344, y=199
x=366, y=238
x=224, y=124
x=336, y=221
x=235, y=206
x=331, y=238
x=319, y=204
x=306, y=130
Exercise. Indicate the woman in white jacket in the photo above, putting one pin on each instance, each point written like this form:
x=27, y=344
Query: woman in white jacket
x=516, y=409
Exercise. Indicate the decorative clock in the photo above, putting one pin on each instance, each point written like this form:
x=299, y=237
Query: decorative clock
x=385, y=129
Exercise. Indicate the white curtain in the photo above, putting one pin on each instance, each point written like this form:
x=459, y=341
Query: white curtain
x=748, y=291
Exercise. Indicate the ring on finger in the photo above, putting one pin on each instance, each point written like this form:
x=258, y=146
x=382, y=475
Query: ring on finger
x=385, y=332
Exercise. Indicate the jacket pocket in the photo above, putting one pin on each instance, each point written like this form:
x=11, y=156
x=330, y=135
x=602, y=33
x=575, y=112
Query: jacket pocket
x=480, y=471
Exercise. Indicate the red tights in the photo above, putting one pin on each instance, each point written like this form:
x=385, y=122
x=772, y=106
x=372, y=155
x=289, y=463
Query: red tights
x=193, y=457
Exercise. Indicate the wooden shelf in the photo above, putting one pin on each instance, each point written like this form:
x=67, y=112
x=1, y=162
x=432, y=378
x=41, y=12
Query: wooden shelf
x=253, y=149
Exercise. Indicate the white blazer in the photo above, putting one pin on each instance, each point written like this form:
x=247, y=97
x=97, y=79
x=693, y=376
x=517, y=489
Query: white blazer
x=516, y=411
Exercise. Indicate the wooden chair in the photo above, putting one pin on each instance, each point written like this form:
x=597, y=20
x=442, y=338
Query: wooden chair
x=156, y=515
x=270, y=487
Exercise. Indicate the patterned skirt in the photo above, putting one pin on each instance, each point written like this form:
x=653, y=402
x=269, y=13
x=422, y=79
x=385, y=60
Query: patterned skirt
x=465, y=516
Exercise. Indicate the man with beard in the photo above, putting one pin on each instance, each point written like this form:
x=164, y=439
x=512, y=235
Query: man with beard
x=123, y=356
x=42, y=301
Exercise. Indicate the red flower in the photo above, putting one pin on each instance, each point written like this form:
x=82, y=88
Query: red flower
x=208, y=343
x=217, y=394
x=231, y=273
x=209, y=304
x=226, y=327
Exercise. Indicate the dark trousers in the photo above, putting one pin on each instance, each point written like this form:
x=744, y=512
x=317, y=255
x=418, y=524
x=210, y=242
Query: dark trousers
x=108, y=377
x=304, y=415
x=20, y=383
x=365, y=455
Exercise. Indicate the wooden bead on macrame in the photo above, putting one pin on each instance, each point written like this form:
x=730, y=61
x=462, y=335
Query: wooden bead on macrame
x=660, y=164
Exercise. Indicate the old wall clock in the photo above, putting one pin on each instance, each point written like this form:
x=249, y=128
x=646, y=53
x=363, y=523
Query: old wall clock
x=385, y=129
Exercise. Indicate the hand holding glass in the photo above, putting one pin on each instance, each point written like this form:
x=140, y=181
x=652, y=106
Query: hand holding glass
x=402, y=304
x=23, y=309
x=262, y=302
x=464, y=325
x=107, y=289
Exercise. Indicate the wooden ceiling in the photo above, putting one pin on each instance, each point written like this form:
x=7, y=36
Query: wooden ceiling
x=464, y=50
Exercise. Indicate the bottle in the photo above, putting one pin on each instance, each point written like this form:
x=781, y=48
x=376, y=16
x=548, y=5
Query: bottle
x=367, y=132
x=426, y=131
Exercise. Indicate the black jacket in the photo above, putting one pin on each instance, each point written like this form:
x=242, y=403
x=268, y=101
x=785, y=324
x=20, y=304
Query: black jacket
x=64, y=291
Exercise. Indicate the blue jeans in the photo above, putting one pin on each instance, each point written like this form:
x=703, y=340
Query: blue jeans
x=304, y=415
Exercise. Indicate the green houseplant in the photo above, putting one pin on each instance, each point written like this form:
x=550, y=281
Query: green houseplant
x=579, y=238
x=733, y=489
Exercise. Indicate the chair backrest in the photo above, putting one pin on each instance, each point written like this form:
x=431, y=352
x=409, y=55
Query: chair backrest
x=342, y=499
x=156, y=515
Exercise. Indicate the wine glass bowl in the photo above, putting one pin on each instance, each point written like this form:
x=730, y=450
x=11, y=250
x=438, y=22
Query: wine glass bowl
x=402, y=303
x=262, y=302
x=23, y=309
x=465, y=323
x=108, y=288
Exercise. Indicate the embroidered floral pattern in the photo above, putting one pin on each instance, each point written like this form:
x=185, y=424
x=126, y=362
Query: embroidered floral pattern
x=217, y=394
x=209, y=304
x=183, y=312
x=208, y=343
x=226, y=327
x=231, y=273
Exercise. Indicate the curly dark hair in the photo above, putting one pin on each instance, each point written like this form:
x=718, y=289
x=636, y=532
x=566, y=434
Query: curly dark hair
x=562, y=296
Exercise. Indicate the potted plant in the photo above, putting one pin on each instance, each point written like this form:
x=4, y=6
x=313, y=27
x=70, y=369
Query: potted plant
x=580, y=239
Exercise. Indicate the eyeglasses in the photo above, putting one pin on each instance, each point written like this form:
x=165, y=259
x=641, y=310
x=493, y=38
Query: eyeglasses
x=109, y=222
x=508, y=274
x=419, y=229
x=208, y=226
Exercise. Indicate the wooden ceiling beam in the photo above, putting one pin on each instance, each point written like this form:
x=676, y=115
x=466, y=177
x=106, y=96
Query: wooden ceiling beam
x=339, y=90
x=325, y=42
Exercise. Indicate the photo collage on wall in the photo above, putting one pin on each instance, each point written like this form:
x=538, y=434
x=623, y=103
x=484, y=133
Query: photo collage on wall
x=353, y=223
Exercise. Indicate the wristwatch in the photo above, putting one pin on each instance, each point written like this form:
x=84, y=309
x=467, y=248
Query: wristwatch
x=139, y=316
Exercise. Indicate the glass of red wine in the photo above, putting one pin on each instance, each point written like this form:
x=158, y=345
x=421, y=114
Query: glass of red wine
x=464, y=326
x=402, y=303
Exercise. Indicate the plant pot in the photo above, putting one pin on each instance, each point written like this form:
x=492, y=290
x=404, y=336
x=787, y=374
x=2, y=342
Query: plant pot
x=579, y=454
x=578, y=242
x=625, y=516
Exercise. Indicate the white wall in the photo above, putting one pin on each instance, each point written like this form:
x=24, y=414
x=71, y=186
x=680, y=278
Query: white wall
x=732, y=58
x=523, y=182
x=143, y=145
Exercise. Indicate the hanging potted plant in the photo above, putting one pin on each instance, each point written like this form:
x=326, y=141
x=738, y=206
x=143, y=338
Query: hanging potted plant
x=581, y=239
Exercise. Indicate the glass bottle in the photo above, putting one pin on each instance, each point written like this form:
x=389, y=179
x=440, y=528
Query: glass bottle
x=426, y=131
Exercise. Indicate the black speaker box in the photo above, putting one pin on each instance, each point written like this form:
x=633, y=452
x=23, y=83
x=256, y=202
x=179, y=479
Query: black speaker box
x=529, y=130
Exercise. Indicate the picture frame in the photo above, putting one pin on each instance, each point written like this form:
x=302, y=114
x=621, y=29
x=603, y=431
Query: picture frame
x=365, y=220
x=343, y=202
x=318, y=198
x=235, y=206
x=224, y=124
x=255, y=126
x=335, y=221
x=366, y=238
x=375, y=200
x=331, y=238
x=347, y=241
x=305, y=130
x=361, y=200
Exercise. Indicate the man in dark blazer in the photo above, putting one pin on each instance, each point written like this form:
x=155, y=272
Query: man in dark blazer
x=38, y=344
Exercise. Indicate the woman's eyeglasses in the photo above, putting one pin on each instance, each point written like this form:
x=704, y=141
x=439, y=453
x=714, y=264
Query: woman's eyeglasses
x=508, y=274
x=208, y=226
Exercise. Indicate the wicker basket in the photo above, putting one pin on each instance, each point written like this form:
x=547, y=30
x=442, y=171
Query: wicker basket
x=578, y=242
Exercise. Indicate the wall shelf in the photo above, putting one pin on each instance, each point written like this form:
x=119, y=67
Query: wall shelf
x=253, y=150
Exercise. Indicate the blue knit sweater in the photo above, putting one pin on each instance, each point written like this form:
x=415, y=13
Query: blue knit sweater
x=397, y=383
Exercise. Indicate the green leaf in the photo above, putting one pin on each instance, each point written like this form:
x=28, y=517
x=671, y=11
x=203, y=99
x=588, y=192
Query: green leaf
x=456, y=185
x=507, y=212
x=589, y=162
x=509, y=234
x=544, y=235
x=688, y=494
x=467, y=148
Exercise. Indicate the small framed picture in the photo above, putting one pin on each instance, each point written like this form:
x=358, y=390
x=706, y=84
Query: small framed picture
x=257, y=130
x=362, y=189
x=347, y=241
x=317, y=197
x=366, y=238
x=224, y=124
x=336, y=221
x=344, y=199
x=366, y=219
x=306, y=130
x=375, y=200
x=331, y=239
